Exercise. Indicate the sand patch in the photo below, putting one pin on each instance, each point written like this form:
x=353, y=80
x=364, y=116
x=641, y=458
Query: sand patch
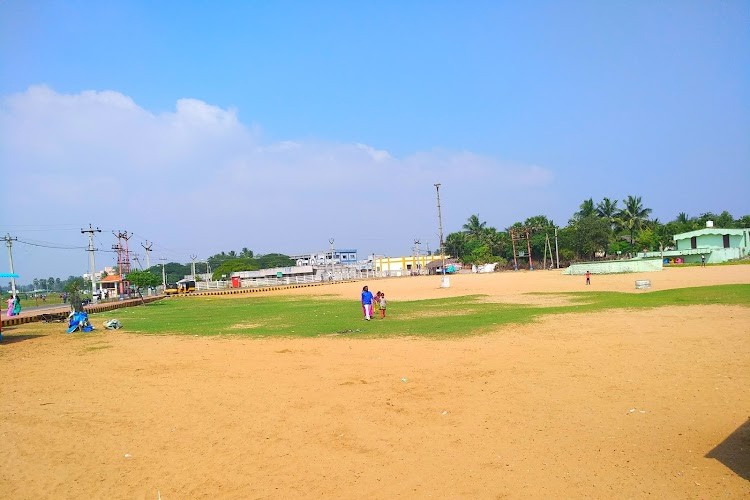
x=245, y=326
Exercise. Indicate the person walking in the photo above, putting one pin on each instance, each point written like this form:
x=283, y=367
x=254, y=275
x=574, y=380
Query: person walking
x=367, y=302
x=11, y=306
x=588, y=277
x=703, y=260
x=382, y=303
x=16, y=305
x=376, y=304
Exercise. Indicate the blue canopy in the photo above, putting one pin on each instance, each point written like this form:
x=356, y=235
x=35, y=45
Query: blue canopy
x=8, y=275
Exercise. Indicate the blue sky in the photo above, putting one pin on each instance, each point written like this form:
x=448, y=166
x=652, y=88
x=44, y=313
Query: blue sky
x=289, y=123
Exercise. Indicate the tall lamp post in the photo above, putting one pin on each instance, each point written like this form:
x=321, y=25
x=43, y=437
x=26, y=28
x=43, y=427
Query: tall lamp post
x=444, y=282
x=163, y=275
x=330, y=240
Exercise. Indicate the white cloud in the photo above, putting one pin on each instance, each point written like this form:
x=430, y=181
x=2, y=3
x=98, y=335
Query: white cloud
x=101, y=149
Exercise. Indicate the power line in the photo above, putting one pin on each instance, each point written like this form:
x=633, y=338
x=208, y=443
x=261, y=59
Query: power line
x=51, y=245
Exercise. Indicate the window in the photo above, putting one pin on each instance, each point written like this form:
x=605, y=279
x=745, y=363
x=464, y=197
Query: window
x=726, y=241
x=693, y=242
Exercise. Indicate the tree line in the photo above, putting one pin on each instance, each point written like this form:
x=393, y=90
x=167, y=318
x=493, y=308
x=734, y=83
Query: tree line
x=596, y=229
x=602, y=229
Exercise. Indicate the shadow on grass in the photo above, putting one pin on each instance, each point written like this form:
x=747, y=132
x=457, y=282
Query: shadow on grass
x=734, y=451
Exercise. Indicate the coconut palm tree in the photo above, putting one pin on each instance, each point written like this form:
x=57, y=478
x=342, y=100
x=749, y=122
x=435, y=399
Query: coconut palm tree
x=474, y=228
x=634, y=216
x=586, y=209
x=495, y=241
x=454, y=244
x=607, y=209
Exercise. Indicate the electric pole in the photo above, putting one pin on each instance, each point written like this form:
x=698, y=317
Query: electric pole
x=9, y=241
x=557, y=254
x=444, y=283
x=416, y=256
x=123, y=259
x=163, y=274
x=147, y=248
x=92, y=263
x=330, y=240
x=193, y=257
x=528, y=245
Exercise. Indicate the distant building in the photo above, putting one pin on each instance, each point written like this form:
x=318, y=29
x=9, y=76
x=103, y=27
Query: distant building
x=341, y=256
x=714, y=243
x=108, y=271
x=110, y=285
x=405, y=265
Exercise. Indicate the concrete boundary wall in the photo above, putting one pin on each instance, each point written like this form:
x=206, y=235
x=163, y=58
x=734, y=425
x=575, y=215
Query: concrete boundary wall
x=616, y=266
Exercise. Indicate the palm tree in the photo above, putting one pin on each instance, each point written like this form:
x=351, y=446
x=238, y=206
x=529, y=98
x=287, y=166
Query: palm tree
x=454, y=244
x=607, y=209
x=495, y=241
x=586, y=209
x=474, y=228
x=633, y=216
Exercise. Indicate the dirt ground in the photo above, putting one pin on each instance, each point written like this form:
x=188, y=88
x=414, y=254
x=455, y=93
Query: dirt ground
x=619, y=404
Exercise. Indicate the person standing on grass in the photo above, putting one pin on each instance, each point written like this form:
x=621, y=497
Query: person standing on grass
x=588, y=277
x=703, y=261
x=382, y=303
x=367, y=302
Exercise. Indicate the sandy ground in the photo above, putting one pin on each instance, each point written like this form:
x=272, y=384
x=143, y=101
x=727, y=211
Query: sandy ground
x=625, y=404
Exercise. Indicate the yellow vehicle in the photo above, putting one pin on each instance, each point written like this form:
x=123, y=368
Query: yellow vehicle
x=182, y=286
x=185, y=286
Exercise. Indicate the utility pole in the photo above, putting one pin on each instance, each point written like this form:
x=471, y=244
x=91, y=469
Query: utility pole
x=163, y=274
x=557, y=255
x=528, y=245
x=147, y=248
x=92, y=263
x=416, y=256
x=9, y=241
x=193, y=257
x=123, y=259
x=330, y=240
x=444, y=282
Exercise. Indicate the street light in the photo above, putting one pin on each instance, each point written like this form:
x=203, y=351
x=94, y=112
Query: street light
x=163, y=273
x=445, y=282
x=330, y=240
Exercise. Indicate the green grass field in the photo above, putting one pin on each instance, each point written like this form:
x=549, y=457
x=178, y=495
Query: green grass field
x=316, y=316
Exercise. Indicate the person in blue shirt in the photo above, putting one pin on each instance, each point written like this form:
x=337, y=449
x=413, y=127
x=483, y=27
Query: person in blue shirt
x=367, y=302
